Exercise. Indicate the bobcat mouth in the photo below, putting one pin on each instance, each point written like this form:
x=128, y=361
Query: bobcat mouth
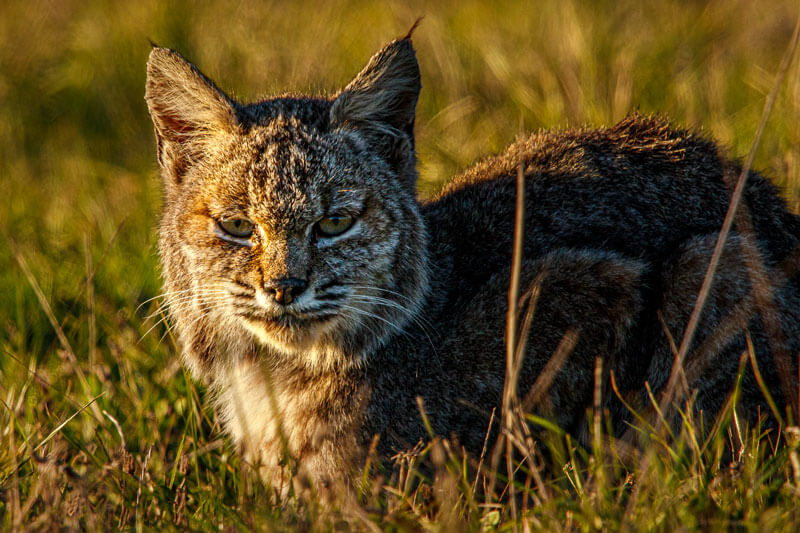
x=295, y=327
x=288, y=320
x=293, y=321
x=291, y=330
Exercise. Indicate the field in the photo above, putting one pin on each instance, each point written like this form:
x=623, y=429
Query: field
x=100, y=425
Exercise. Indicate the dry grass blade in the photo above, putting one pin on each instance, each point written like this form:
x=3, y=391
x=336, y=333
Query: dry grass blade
x=675, y=354
x=512, y=373
x=14, y=496
x=118, y=427
x=65, y=422
x=139, y=524
x=751, y=352
x=512, y=366
x=87, y=250
x=537, y=392
x=524, y=331
x=597, y=405
x=483, y=451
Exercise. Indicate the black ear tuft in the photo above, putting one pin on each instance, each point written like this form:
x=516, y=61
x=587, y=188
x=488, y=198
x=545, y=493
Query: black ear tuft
x=381, y=101
x=187, y=111
x=413, y=27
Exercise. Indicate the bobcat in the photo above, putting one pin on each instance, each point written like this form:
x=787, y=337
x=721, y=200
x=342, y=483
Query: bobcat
x=319, y=298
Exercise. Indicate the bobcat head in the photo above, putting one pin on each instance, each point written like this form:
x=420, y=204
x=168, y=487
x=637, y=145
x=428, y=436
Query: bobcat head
x=290, y=226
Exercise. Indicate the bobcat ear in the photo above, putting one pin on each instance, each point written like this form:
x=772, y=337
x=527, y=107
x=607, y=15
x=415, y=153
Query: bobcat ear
x=187, y=109
x=381, y=100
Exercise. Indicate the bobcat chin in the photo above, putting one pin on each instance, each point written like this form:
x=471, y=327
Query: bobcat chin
x=319, y=298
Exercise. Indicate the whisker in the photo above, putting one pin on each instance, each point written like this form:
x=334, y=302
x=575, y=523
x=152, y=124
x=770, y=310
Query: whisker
x=203, y=312
x=176, y=297
x=179, y=303
x=420, y=321
x=166, y=295
x=162, y=295
x=397, y=328
x=211, y=302
x=361, y=323
x=372, y=288
x=425, y=326
x=372, y=315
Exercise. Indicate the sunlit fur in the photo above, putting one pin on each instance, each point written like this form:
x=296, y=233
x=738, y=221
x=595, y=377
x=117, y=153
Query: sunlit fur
x=281, y=168
x=410, y=301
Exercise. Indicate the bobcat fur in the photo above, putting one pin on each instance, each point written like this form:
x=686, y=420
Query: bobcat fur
x=314, y=340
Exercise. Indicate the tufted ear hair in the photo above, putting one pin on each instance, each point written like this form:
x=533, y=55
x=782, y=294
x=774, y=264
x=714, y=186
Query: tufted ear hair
x=380, y=103
x=187, y=110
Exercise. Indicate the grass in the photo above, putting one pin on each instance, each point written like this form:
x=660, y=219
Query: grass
x=99, y=423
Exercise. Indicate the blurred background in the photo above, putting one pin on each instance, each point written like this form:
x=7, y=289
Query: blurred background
x=81, y=193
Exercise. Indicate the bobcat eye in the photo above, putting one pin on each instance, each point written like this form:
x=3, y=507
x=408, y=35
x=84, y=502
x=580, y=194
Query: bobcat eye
x=334, y=225
x=237, y=227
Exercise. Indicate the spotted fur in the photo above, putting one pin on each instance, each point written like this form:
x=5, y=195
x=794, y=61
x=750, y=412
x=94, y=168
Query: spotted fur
x=410, y=301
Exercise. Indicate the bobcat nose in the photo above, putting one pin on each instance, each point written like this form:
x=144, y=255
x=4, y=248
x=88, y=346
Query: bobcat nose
x=285, y=290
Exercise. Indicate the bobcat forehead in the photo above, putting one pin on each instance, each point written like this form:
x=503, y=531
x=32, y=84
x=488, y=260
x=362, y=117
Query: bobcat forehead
x=285, y=172
x=285, y=156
